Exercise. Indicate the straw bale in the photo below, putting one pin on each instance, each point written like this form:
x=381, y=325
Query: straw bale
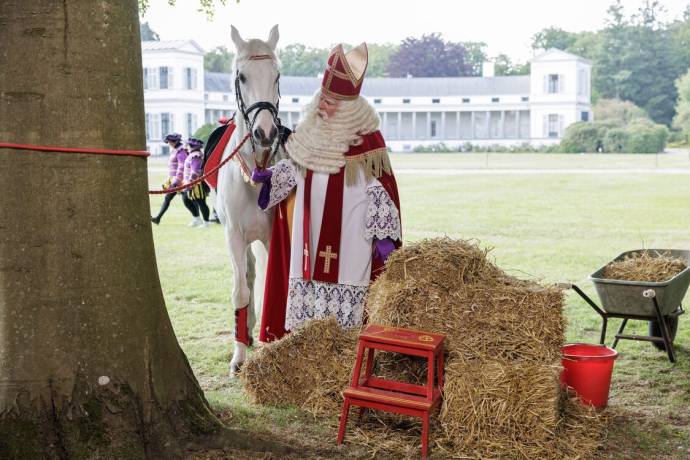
x=307, y=368
x=500, y=319
x=645, y=266
x=441, y=261
x=498, y=405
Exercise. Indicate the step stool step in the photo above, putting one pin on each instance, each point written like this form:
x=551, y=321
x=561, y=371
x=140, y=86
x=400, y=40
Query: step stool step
x=418, y=340
x=393, y=398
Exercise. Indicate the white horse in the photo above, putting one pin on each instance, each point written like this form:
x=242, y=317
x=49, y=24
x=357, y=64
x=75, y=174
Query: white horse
x=247, y=227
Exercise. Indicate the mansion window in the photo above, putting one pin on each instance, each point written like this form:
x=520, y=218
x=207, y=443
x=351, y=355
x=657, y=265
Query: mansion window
x=295, y=100
x=495, y=99
x=553, y=84
x=226, y=97
x=153, y=126
x=165, y=77
x=406, y=101
x=584, y=116
x=465, y=100
x=191, y=123
x=436, y=101
x=377, y=101
x=433, y=128
x=525, y=98
x=150, y=78
x=553, y=126
x=166, y=124
x=189, y=78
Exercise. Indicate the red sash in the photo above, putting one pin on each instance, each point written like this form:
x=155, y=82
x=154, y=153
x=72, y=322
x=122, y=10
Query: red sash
x=327, y=250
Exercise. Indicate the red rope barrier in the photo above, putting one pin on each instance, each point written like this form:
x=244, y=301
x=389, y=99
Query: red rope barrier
x=45, y=148
x=203, y=176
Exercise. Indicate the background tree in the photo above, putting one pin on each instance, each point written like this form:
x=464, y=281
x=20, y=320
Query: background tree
x=553, y=37
x=219, y=59
x=682, y=117
x=429, y=56
x=379, y=56
x=475, y=57
x=300, y=60
x=617, y=111
x=503, y=66
x=147, y=33
x=89, y=364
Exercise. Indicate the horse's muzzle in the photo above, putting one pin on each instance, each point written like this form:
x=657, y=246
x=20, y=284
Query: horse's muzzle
x=261, y=138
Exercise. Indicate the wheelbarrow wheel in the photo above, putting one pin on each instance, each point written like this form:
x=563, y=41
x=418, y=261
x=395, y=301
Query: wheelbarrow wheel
x=655, y=330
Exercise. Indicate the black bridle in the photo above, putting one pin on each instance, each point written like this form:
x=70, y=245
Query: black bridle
x=256, y=109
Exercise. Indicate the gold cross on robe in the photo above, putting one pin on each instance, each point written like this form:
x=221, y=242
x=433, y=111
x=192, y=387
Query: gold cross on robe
x=327, y=255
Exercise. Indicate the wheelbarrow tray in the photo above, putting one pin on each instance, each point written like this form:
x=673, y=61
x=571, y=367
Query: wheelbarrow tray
x=625, y=297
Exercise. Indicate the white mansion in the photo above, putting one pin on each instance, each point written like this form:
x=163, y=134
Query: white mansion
x=180, y=97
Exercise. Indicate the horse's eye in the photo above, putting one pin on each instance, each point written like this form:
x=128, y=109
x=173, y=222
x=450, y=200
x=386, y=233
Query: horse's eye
x=243, y=78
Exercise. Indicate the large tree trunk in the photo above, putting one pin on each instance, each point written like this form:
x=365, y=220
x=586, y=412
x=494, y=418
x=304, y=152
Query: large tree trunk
x=89, y=363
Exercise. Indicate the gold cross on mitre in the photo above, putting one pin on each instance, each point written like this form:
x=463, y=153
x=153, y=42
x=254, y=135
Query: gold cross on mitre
x=327, y=255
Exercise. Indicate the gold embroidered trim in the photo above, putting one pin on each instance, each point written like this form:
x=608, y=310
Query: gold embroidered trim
x=340, y=97
x=346, y=64
x=258, y=57
x=330, y=74
x=373, y=163
x=339, y=74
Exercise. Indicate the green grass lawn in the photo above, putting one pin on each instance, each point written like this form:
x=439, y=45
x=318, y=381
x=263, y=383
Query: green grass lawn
x=550, y=227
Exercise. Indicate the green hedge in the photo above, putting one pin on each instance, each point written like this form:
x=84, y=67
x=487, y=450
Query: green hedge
x=639, y=136
x=646, y=137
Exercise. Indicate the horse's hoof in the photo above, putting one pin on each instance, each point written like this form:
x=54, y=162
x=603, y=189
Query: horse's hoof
x=235, y=369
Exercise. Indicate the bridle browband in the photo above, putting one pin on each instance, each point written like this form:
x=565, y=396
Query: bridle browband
x=256, y=108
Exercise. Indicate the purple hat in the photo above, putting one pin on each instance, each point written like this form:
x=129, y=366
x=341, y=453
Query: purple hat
x=195, y=143
x=173, y=137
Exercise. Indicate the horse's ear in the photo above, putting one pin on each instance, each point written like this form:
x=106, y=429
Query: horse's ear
x=273, y=37
x=237, y=38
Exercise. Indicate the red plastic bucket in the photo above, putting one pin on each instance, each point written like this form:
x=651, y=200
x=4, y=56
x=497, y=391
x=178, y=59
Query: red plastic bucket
x=587, y=369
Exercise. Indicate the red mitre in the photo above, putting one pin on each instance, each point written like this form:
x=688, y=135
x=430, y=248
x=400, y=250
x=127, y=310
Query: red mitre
x=344, y=73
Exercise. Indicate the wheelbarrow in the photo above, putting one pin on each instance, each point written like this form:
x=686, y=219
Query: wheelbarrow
x=658, y=303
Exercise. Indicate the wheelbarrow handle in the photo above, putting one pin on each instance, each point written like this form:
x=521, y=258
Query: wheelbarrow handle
x=587, y=299
x=649, y=293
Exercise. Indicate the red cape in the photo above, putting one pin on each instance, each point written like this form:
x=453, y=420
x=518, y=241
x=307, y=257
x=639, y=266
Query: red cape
x=278, y=271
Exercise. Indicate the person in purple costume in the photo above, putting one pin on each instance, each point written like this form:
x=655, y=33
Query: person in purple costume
x=178, y=155
x=193, y=168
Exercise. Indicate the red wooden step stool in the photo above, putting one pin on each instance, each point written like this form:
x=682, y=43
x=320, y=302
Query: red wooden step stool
x=402, y=398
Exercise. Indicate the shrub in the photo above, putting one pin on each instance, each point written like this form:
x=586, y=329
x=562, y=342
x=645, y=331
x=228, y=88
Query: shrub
x=646, y=137
x=617, y=111
x=434, y=148
x=616, y=140
x=584, y=136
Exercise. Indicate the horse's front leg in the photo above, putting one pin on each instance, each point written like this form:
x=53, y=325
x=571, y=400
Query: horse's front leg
x=240, y=299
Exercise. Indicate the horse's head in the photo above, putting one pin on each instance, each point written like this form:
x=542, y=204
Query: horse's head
x=256, y=85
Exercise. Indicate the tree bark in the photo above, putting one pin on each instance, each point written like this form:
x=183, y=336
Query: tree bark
x=89, y=363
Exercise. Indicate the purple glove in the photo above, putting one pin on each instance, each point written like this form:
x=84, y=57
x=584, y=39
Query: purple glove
x=383, y=248
x=263, y=176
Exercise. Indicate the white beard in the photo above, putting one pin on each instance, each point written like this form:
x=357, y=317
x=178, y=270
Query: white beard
x=320, y=143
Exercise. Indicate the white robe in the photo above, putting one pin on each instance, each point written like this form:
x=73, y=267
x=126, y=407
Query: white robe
x=368, y=213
